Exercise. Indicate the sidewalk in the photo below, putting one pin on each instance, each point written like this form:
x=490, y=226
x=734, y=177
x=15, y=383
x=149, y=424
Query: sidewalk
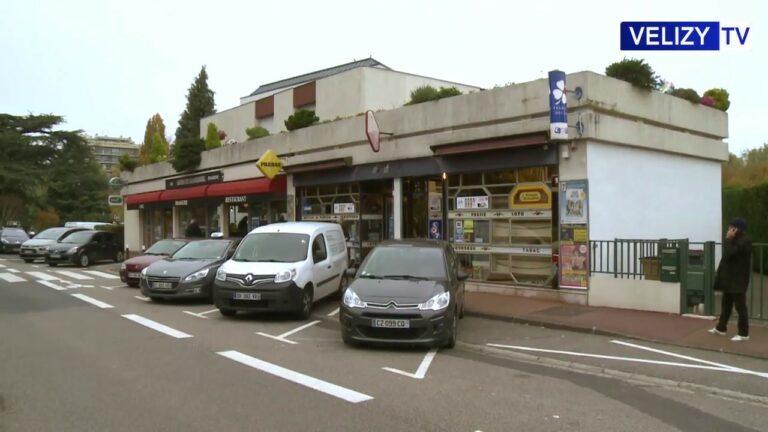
x=652, y=326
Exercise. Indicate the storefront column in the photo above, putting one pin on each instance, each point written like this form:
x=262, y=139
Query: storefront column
x=176, y=224
x=290, y=192
x=223, y=210
x=397, y=206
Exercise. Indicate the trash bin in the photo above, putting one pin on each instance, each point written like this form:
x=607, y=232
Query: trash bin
x=651, y=268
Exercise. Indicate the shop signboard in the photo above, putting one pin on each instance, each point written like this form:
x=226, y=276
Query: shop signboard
x=195, y=180
x=530, y=196
x=115, y=200
x=269, y=164
x=235, y=199
x=343, y=208
x=472, y=202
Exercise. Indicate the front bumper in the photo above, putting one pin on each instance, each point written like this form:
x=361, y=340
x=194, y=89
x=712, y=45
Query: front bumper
x=274, y=297
x=180, y=289
x=10, y=247
x=134, y=279
x=61, y=257
x=32, y=253
x=425, y=327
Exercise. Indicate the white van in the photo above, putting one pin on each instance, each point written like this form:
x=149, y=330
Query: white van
x=283, y=267
x=88, y=225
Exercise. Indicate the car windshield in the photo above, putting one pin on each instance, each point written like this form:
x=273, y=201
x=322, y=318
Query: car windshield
x=202, y=249
x=14, y=232
x=273, y=247
x=51, y=234
x=165, y=247
x=79, y=237
x=404, y=262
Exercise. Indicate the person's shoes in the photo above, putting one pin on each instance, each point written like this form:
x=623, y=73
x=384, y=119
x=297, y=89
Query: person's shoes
x=715, y=331
x=739, y=338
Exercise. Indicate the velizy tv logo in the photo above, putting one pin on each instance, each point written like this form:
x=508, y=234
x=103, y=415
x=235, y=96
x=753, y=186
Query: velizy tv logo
x=681, y=36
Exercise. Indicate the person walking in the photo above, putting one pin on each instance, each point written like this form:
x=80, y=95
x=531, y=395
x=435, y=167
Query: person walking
x=193, y=230
x=732, y=278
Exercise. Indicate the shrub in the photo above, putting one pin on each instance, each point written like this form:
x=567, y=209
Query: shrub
x=708, y=101
x=301, y=119
x=186, y=154
x=256, y=132
x=127, y=163
x=634, y=71
x=720, y=97
x=428, y=93
x=687, y=94
x=445, y=92
x=212, y=139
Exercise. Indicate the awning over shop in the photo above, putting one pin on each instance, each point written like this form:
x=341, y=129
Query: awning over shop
x=490, y=145
x=186, y=193
x=142, y=198
x=216, y=190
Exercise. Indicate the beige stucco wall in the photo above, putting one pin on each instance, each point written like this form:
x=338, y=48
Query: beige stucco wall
x=233, y=121
x=637, y=294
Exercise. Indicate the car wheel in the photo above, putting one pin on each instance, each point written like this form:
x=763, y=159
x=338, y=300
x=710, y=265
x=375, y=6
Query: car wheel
x=157, y=299
x=305, y=310
x=347, y=340
x=227, y=312
x=132, y=284
x=461, y=312
x=451, y=342
x=83, y=260
x=52, y=264
x=28, y=260
x=119, y=256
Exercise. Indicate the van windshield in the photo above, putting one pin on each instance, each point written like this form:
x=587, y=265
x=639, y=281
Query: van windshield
x=273, y=247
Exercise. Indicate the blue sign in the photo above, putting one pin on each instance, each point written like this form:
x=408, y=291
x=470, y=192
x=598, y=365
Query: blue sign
x=436, y=229
x=558, y=107
x=680, y=36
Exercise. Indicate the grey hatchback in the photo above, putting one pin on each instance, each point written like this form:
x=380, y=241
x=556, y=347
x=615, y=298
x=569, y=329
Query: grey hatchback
x=405, y=292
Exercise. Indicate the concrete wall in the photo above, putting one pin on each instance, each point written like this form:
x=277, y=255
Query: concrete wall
x=637, y=294
x=233, y=121
x=340, y=95
x=646, y=194
x=132, y=225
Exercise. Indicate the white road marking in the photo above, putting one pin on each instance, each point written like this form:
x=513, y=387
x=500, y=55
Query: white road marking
x=2, y=265
x=93, y=301
x=201, y=314
x=335, y=311
x=43, y=276
x=73, y=275
x=13, y=270
x=282, y=337
x=107, y=288
x=298, y=378
x=10, y=277
x=142, y=298
x=154, y=325
x=50, y=284
x=277, y=338
x=421, y=372
x=101, y=274
x=685, y=357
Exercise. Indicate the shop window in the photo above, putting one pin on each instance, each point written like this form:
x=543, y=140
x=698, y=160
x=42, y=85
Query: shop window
x=501, y=177
x=531, y=175
x=471, y=179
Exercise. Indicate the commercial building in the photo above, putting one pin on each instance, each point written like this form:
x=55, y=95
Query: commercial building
x=108, y=150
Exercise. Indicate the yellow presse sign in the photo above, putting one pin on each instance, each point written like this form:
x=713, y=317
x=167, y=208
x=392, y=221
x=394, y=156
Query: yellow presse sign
x=269, y=164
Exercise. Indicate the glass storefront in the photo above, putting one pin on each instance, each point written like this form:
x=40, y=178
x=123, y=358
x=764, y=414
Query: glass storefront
x=157, y=224
x=204, y=214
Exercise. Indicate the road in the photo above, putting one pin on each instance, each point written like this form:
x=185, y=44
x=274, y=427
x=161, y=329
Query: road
x=82, y=352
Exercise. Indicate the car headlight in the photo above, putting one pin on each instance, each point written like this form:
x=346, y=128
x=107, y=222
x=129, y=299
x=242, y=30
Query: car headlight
x=285, y=276
x=144, y=272
x=197, y=275
x=437, y=302
x=221, y=275
x=123, y=266
x=4, y=241
x=72, y=250
x=352, y=300
x=42, y=249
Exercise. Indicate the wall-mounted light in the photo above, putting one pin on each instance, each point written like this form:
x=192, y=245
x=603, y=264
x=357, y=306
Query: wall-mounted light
x=445, y=176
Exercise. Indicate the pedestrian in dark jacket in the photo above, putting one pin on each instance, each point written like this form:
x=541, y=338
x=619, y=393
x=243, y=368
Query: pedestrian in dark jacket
x=732, y=278
x=193, y=230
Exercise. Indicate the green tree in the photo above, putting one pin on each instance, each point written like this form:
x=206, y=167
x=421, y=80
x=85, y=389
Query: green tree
x=256, y=132
x=77, y=184
x=200, y=104
x=721, y=98
x=155, y=125
x=301, y=119
x=186, y=154
x=634, y=71
x=158, y=151
x=212, y=139
x=127, y=163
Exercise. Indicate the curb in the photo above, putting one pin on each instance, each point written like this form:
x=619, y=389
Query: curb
x=598, y=331
x=632, y=378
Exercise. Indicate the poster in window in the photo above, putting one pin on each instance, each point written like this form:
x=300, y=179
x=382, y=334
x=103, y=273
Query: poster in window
x=472, y=202
x=436, y=229
x=574, y=265
x=458, y=232
x=573, y=202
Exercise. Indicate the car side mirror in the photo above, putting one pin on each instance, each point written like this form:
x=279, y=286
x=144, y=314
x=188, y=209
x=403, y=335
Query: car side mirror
x=351, y=272
x=462, y=276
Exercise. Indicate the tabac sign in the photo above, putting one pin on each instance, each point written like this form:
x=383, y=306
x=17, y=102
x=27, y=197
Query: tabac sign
x=530, y=196
x=269, y=164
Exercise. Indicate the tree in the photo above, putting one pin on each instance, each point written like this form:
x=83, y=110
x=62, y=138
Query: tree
x=155, y=126
x=186, y=154
x=634, y=71
x=127, y=163
x=158, y=151
x=720, y=97
x=200, y=104
x=212, y=139
x=751, y=169
x=45, y=218
x=77, y=184
x=256, y=132
x=301, y=119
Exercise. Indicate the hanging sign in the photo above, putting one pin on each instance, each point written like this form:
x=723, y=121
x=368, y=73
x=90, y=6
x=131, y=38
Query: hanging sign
x=269, y=164
x=344, y=208
x=558, y=108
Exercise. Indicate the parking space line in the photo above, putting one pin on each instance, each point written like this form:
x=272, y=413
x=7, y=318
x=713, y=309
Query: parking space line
x=142, y=298
x=101, y=274
x=12, y=270
x=50, y=284
x=154, y=325
x=335, y=311
x=73, y=275
x=106, y=288
x=282, y=337
x=297, y=377
x=201, y=314
x=10, y=277
x=2, y=265
x=421, y=371
x=92, y=301
x=277, y=338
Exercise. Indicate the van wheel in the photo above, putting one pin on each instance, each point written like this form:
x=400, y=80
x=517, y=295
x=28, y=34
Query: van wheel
x=306, y=304
x=343, y=282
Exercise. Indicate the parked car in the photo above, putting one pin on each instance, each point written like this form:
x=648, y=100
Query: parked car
x=130, y=270
x=190, y=272
x=283, y=267
x=83, y=248
x=406, y=292
x=37, y=246
x=11, y=239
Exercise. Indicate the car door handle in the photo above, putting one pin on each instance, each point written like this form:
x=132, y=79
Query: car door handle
x=329, y=267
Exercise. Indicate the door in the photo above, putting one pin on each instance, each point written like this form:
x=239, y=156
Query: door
x=323, y=275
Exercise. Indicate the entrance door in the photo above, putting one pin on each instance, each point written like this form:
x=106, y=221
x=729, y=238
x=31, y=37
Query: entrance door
x=423, y=208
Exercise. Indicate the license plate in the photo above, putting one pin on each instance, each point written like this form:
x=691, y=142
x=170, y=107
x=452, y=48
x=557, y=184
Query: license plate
x=55, y=255
x=247, y=296
x=134, y=275
x=26, y=252
x=162, y=285
x=391, y=323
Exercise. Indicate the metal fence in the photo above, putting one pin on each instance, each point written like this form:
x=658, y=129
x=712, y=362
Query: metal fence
x=626, y=258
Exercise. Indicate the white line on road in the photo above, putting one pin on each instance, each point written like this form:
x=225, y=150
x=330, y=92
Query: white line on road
x=107, y=288
x=10, y=277
x=73, y=275
x=101, y=274
x=335, y=311
x=43, y=276
x=50, y=284
x=298, y=378
x=154, y=325
x=2, y=265
x=277, y=338
x=93, y=301
x=142, y=298
x=201, y=314
x=282, y=337
x=13, y=270
x=421, y=372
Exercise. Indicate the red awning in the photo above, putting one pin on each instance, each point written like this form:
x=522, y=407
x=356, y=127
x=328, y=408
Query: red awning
x=184, y=193
x=142, y=198
x=247, y=187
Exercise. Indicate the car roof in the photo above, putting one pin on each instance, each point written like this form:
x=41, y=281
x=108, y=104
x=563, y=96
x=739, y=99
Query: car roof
x=422, y=243
x=295, y=227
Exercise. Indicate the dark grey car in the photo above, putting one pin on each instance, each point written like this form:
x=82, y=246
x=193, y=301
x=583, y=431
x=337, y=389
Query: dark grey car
x=190, y=272
x=11, y=239
x=405, y=292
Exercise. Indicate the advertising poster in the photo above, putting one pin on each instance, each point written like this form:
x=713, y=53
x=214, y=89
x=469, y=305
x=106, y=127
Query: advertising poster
x=458, y=231
x=573, y=202
x=574, y=265
x=472, y=202
x=558, y=106
x=436, y=229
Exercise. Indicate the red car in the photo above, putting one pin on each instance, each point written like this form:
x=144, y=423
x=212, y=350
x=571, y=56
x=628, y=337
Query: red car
x=130, y=270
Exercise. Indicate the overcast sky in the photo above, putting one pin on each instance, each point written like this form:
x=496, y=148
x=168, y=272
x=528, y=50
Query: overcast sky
x=107, y=66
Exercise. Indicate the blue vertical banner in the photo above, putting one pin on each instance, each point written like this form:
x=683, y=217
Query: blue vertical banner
x=558, y=108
